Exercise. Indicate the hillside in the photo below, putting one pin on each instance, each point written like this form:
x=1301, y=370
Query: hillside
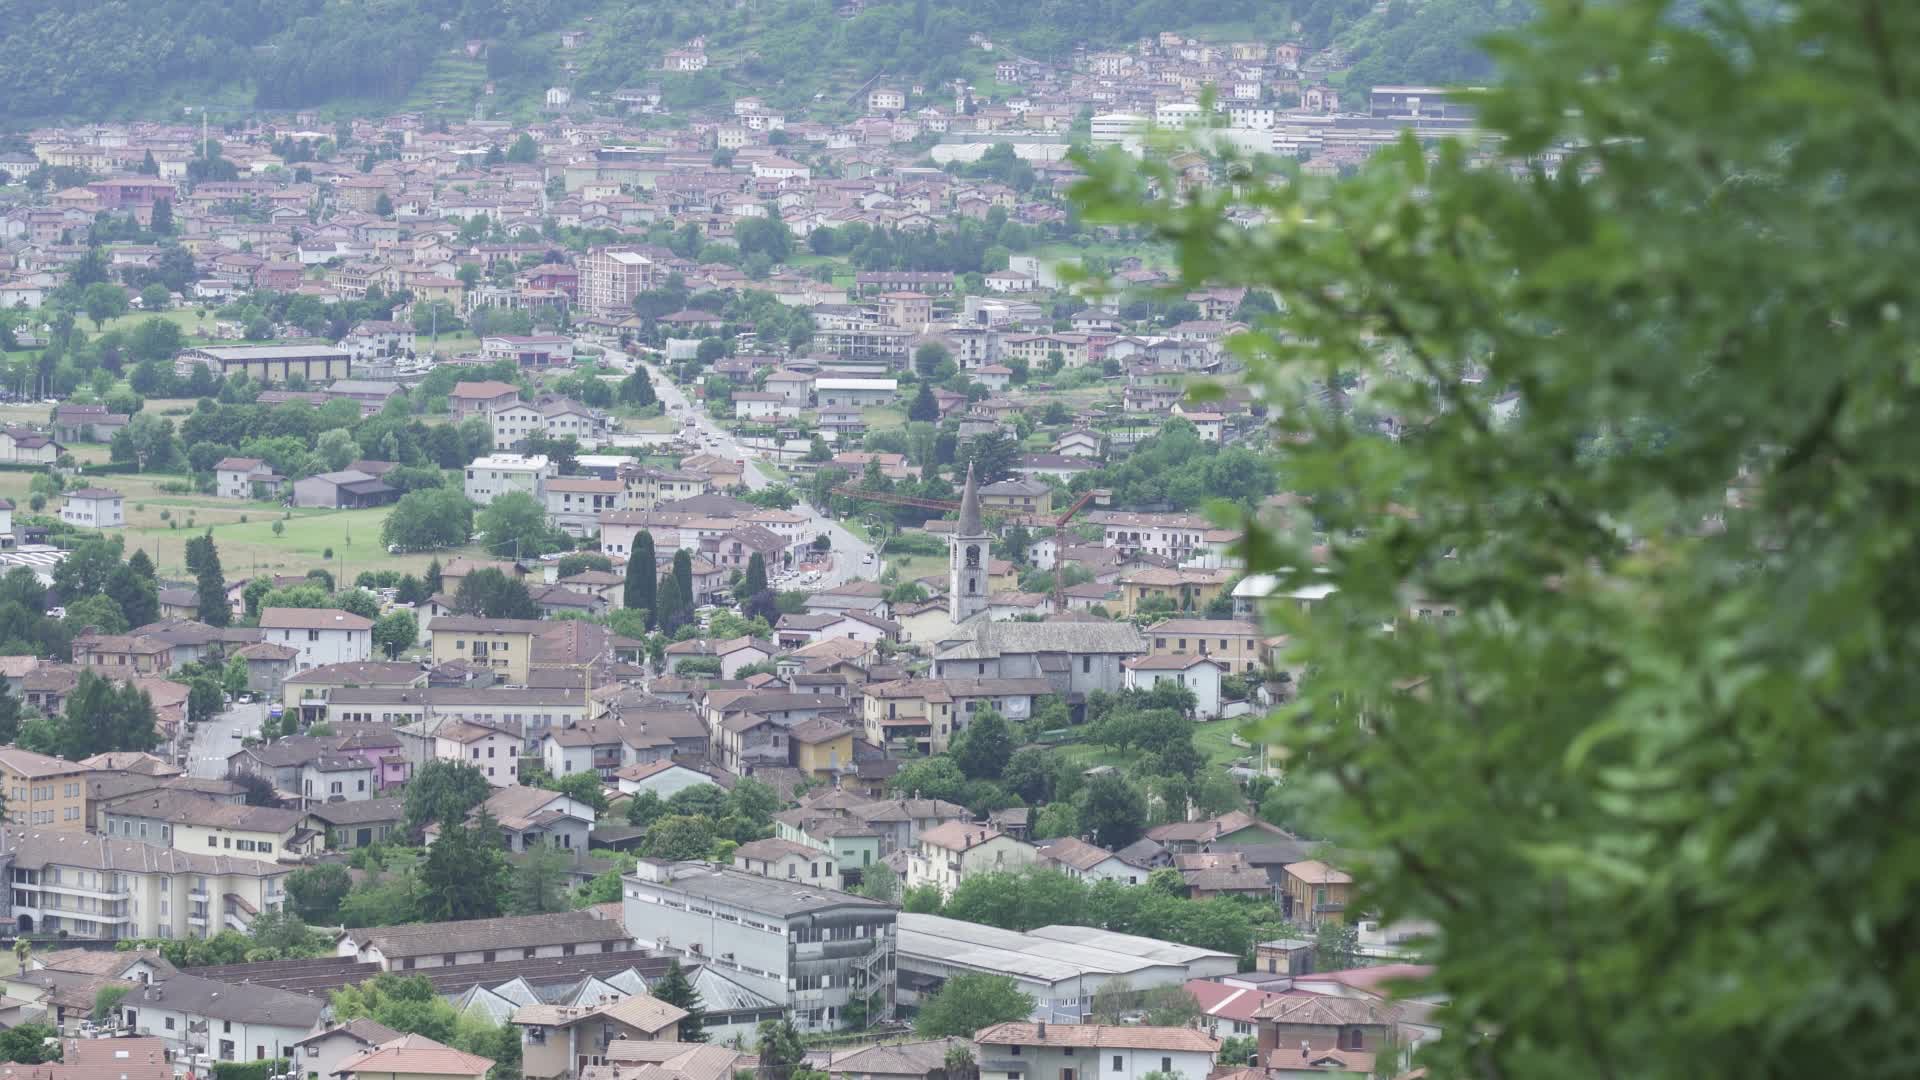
x=101, y=59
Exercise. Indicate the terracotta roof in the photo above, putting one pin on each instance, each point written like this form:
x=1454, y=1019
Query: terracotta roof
x=312, y=619
x=1102, y=1036
x=1315, y=872
x=416, y=1054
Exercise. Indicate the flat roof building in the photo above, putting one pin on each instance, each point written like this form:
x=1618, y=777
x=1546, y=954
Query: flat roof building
x=811, y=949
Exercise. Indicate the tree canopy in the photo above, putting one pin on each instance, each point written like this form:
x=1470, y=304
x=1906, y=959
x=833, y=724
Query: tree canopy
x=1668, y=708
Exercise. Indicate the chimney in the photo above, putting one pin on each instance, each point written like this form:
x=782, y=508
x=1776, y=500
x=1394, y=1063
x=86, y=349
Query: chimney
x=1040, y=1031
x=1305, y=1051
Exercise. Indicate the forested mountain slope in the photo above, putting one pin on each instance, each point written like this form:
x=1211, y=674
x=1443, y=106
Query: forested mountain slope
x=97, y=59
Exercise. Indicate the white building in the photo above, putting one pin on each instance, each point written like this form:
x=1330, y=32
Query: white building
x=1200, y=674
x=855, y=393
x=1060, y=967
x=94, y=508
x=755, y=405
x=1125, y=130
x=611, y=277
x=236, y=477
x=225, y=1021
x=495, y=475
x=574, y=503
x=1089, y=862
x=321, y=635
x=949, y=854
x=81, y=885
x=1094, y=1051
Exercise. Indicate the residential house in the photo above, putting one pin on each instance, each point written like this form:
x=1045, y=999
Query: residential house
x=663, y=778
x=226, y=1021
x=94, y=508
x=245, y=478
x=323, y=635
x=1089, y=862
x=1314, y=893
x=1235, y=644
x=414, y=1057
x=946, y=855
x=788, y=861
x=494, y=475
x=1199, y=674
x=1161, y=588
x=41, y=791
x=529, y=815
x=344, y=826
x=1094, y=1051
x=574, y=503
x=558, y=1040
x=504, y=645
x=190, y=822
x=318, y=1056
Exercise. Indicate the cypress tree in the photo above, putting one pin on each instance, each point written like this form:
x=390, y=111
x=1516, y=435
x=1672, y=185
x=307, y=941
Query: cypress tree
x=642, y=592
x=683, y=578
x=756, y=575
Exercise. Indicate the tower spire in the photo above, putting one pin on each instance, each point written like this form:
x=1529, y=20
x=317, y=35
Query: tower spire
x=969, y=524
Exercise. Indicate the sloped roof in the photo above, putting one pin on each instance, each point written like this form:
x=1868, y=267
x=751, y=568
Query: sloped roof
x=416, y=1054
x=1102, y=1036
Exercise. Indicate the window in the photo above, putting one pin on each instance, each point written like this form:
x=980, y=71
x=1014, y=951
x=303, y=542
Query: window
x=1166, y=1064
x=1116, y=1063
x=1086, y=665
x=313, y=635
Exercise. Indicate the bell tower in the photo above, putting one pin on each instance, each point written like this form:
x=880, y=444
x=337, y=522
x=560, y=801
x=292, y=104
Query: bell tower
x=968, y=554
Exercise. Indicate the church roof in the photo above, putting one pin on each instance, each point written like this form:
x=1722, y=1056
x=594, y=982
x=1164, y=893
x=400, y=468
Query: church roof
x=969, y=508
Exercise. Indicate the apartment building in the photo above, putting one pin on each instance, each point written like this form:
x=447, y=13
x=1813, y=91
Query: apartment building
x=949, y=854
x=611, y=277
x=321, y=635
x=43, y=791
x=1234, y=643
x=810, y=949
x=100, y=888
x=495, y=475
x=190, y=822
x=505, y=645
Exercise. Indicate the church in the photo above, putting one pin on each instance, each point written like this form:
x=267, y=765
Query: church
x=968, y=551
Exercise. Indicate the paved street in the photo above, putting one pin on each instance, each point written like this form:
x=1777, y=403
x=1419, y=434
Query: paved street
x=220, y=736
x=849, y=551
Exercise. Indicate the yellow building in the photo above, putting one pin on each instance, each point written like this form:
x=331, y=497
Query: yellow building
x=822, y=748
x=1315, y=893
x=1237, y=644
x=1019, y=497
x=907, y=712
x=505, y=645
x=1185, y=590
x=43, y=790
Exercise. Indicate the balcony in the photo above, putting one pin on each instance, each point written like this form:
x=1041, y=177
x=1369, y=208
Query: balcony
x=199, y=895
x=76, y=890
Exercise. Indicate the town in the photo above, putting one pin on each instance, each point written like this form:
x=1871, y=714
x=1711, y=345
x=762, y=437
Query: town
x=805, y=523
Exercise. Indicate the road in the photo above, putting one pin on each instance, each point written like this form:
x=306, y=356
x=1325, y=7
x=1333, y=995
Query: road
x=207, y=756
x=849, y=551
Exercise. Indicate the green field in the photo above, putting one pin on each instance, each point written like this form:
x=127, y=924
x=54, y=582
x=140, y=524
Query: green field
x=244, y=530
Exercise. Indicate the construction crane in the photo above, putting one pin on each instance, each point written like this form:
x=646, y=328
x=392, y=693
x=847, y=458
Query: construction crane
x=1058, y=523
